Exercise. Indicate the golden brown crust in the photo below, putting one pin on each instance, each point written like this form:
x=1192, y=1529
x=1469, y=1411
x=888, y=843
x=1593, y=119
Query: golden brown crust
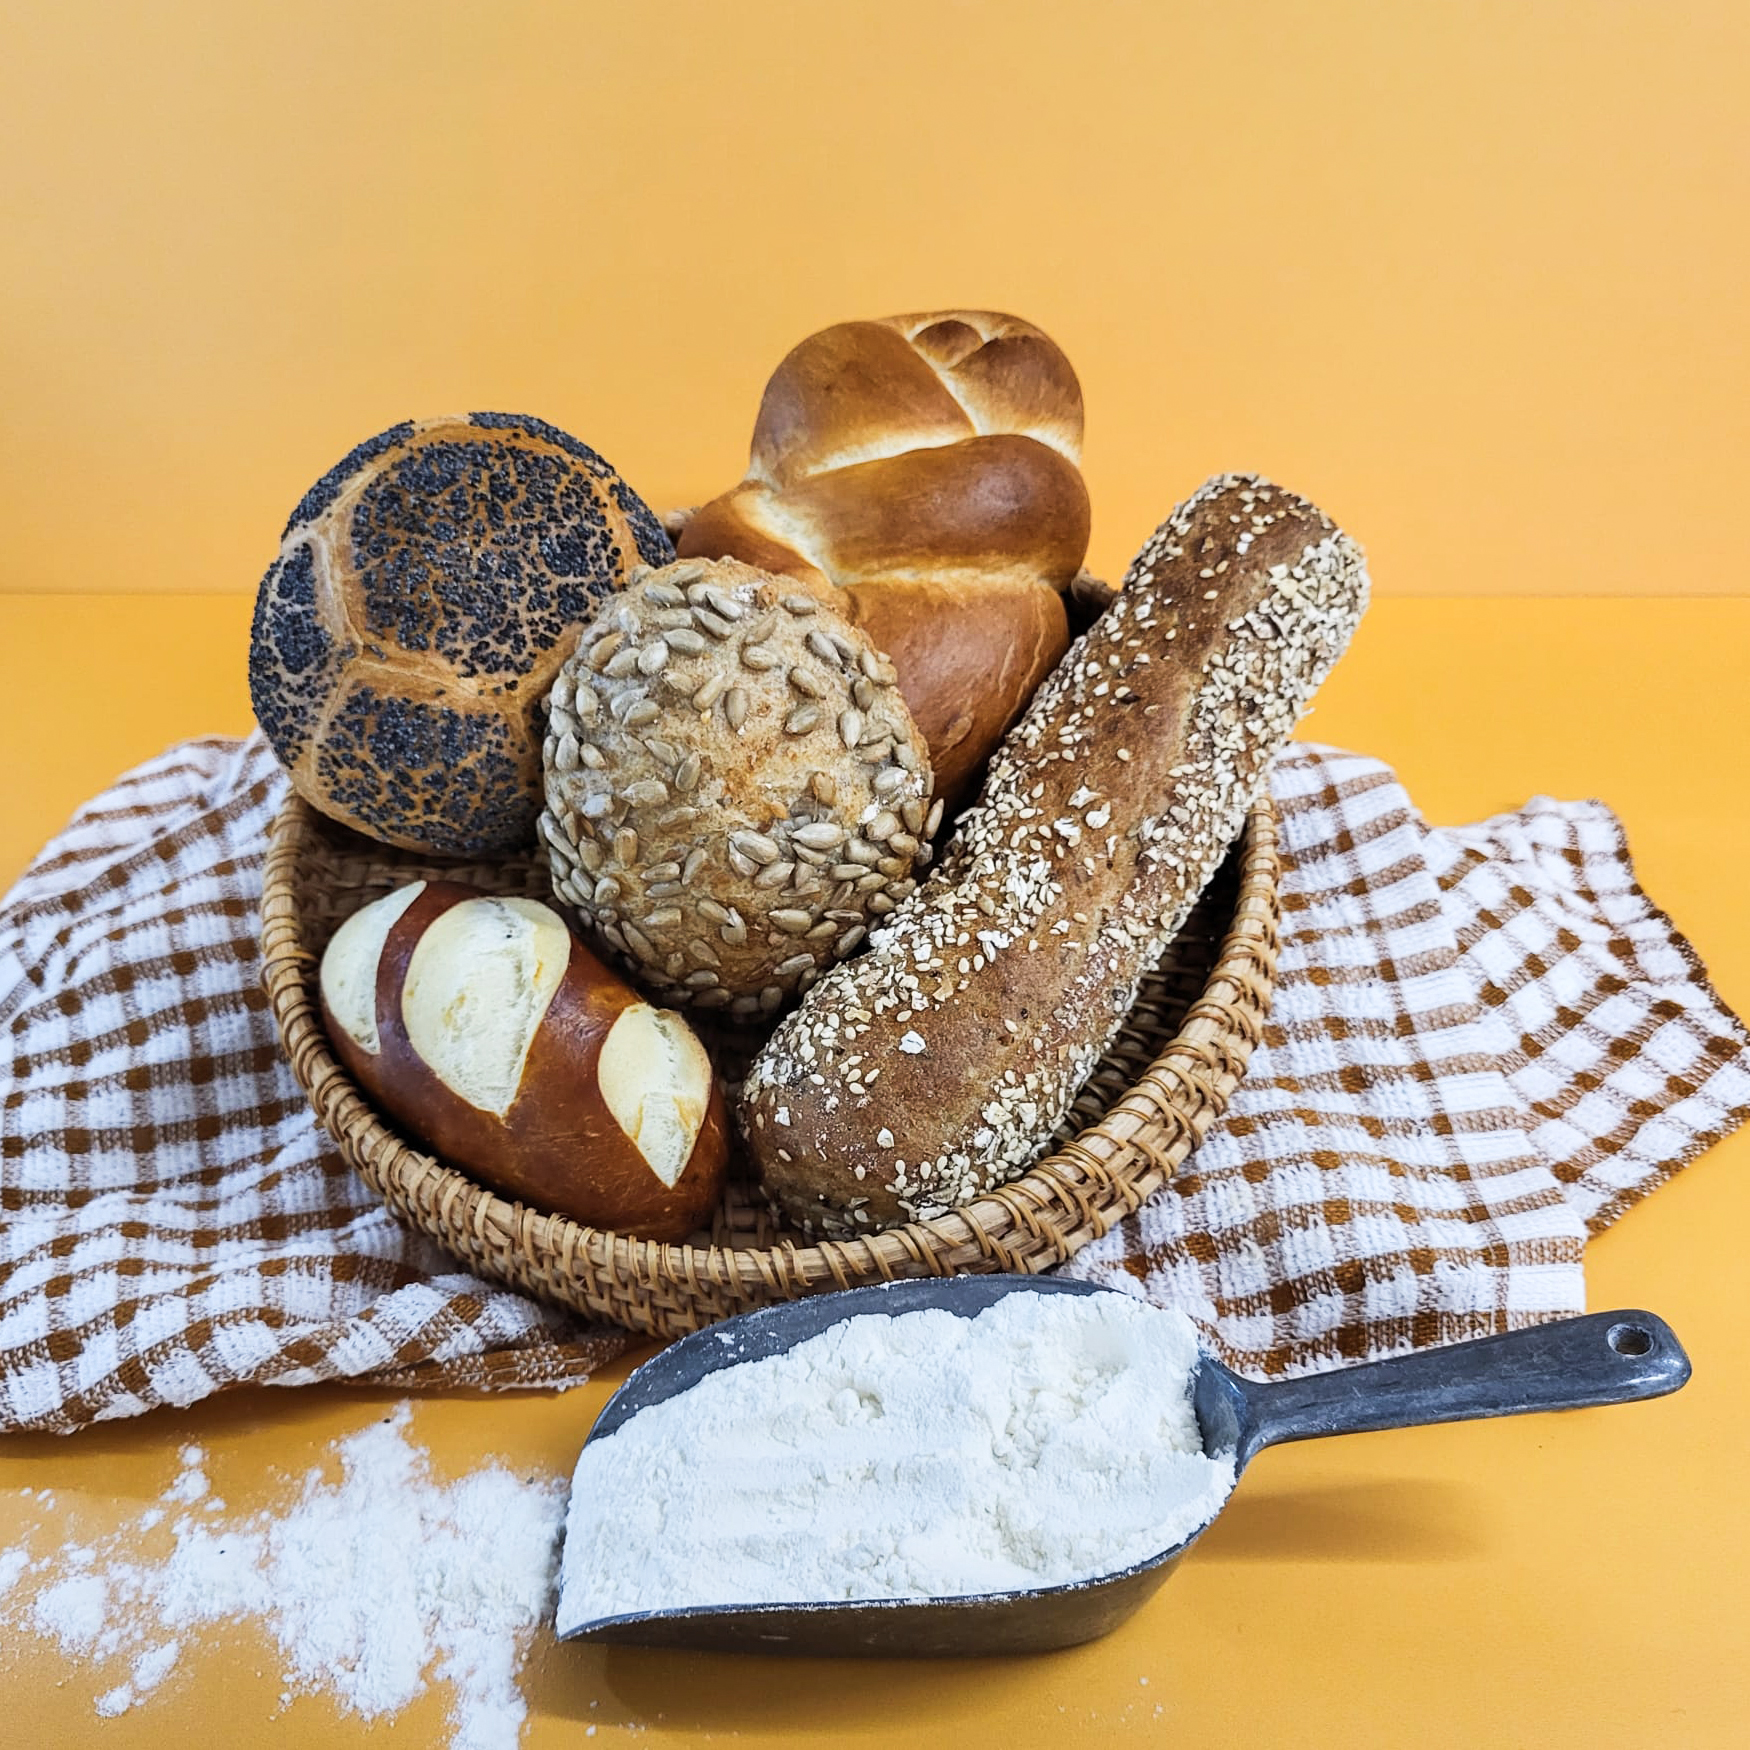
x=557, y=1147
x=937, y=456
x=934, y=1066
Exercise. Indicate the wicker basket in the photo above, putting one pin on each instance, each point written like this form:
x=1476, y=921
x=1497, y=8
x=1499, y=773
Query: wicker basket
x=1167, y=1077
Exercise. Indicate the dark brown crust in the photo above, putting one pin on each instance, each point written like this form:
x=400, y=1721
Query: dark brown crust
x=934, y=1066
x=558, y=1148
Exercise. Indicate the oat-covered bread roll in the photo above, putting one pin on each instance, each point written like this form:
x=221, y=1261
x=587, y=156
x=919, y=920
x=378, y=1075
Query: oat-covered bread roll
x=426, y=591
x=735, y=788
x=929, y=467
x=935, y=1066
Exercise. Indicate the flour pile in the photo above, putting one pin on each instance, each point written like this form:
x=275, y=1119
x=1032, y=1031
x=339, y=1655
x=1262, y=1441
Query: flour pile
x=1050, y=1439
x=371, y=1587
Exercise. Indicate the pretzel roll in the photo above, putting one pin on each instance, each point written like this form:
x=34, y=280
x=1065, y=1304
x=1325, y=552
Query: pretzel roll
x=927, y=469
x=487, y=1029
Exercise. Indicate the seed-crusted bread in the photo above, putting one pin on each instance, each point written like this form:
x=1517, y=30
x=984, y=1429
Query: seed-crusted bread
x=735, y=788
x=935, y=1066
x=426, y=590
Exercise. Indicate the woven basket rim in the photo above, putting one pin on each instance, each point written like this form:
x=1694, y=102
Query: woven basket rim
x=1036, y=1221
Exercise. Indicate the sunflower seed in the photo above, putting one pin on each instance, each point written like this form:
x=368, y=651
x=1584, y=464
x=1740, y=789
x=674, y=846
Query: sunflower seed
x=894, y=867
x=862, y=693
x=718, y=914
x=700, y=949
x=711, y=999
x=565, y=754
x=685, y=571
x=703, y=979
x=596, y=806
x=759, y=629
x=735, y=707
x=861, y=851
x=741, y=863
x=710, y=692
x=823, y=647
x=912, y=813
x=677, y=817
x=802, y=719
x=789, y=968
x=662, y=872
x=664, y=890
x=934, y=819
x=902, y=844
x=645, y=711
x=647, y=793
x=733, y=935
x=823, y=787
x=850, y=727
x=623, y=662
x=720, y=603
x=906, y=755
x=683, y=641
x=591, y=856
x=611, y=935
x=792, y=923
x=820, y=835
x=663, y=918
x=664, y=595
x=882, y=827
x=626, y=846
x=804, y=683
x=758, y=657
x=755, y=845
x=602, y=651
x=848, y=940
x=586, y=705
x=880, y=904
x=638, y=943
x=686, y=775
x=774, y=875
x=845, y=871
x=661, y=751
x=885, y=783
x=715, y=624
x=591, y=756
x=653, y=658
x=872, y=881
x=564, y=690
x=607, y=890
x=799, y=604
x=821, y=932
x=745, y=1008
x=696, y=859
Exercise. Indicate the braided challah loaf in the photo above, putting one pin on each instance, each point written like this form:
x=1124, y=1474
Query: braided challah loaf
x=925, y=470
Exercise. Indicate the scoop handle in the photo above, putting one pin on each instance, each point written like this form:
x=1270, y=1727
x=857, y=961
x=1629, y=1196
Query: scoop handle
x=1569, y=1364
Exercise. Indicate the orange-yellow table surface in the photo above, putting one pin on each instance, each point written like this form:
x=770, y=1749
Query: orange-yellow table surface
x=1567, y=1580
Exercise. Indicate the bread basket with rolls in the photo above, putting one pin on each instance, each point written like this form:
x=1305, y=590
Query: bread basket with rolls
x=899, y=901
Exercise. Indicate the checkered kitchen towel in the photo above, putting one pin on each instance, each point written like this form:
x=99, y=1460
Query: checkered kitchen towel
x=1485, y=1044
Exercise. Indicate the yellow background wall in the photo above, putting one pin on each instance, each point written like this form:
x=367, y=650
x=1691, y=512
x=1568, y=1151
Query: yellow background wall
x=1475, y=276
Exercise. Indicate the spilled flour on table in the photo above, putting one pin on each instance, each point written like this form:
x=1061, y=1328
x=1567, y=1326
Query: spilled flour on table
x=373, y=1587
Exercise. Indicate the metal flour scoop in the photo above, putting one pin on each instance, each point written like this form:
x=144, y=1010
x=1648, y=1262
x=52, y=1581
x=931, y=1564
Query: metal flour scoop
x=1604, y=1358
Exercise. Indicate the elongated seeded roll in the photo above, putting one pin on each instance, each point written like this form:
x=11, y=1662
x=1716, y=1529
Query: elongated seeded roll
x=936, y=1066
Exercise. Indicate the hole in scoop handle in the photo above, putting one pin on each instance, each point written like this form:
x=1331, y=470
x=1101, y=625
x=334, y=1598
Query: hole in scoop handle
x=1569, y=1364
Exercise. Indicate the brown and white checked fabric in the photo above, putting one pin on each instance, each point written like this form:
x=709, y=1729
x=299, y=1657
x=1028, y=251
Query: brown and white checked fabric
x=1484, y=1043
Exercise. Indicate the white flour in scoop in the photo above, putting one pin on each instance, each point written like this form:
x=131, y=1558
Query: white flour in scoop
x=372, y=1587
x=1049, y=1439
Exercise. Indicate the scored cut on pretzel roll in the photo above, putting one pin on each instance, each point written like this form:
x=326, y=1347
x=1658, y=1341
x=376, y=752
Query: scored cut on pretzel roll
x=938, y=1064
x=426, y=590
x=735, y=789
x=927, y=468
x=487, y=1030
